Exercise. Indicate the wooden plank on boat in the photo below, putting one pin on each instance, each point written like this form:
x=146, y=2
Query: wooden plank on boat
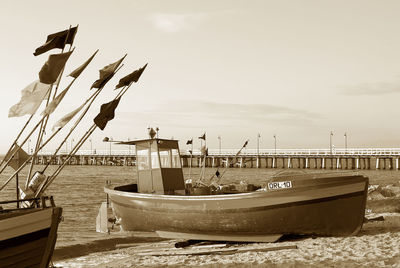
x=23, y=255
x=51, y=241
x=21, y=249
x=212, y=237
x=25, y=224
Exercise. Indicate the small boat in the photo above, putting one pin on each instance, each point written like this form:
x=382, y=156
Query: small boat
x=310, y=204
x=28, y=235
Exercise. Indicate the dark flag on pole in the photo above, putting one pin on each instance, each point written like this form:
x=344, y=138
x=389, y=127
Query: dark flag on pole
x=57, y=40
x=80, y=69
x=203, y=137
x=132, y=77
x=53, y=67
x=19, y=157
x=107, y=113
x=245, y=144
x=189, y=142
x=107, y=73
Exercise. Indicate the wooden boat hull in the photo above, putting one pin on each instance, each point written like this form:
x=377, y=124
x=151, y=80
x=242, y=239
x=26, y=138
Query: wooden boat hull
x=325, y=206
x=28, y=237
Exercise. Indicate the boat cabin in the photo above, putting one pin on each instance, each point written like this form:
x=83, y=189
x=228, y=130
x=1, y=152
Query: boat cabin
x=159, y=166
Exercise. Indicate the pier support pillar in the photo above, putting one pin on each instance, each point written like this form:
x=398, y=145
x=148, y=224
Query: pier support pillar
x=377, y=163
x=323, y=163
x=337, y=163
x=307, y=165
x=289, y=162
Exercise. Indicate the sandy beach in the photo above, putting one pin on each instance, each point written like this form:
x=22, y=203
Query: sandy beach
x=377, y=245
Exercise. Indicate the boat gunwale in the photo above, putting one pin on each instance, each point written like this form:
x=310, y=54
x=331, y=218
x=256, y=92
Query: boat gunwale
x=221, y=197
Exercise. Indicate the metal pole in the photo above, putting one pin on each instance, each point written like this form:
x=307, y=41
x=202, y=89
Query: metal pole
x=345, y=142
x=91, y=151
x=219, y=139
x=330, y=141
x=258, y=144
x=275, y=142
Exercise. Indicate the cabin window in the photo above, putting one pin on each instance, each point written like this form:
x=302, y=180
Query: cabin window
x=143, y=159
x=176, y=162
x=165, y=158
x=154, y=160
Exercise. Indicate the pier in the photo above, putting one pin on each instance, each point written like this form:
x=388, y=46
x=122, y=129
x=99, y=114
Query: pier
x=350, y=159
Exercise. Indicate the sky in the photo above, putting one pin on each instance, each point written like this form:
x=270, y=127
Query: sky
x=294, y=69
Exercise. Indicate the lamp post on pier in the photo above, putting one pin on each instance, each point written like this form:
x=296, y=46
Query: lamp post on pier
x=219, y=140
x=109, y=140
x=345, y=142
x=330, y=141
x=91, y=151
x=258, y=144
x=275, y=142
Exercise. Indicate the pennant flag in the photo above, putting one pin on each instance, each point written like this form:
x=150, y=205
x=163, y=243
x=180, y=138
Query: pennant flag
x=107, y=73
x=54, y=103
x=80, y=69
x=132, y=77
x=57, y=40
x=245, y=144
x=19, y=157
x=203, y=137
x=31, y=98
x=107, y=113
x=189, y=142
x=66, y=118
x=53, y=67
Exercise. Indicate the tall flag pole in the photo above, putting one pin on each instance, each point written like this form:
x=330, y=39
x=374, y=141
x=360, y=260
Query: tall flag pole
x=51, y=70
x=53, y=41
x=107, y=113
x=28, y=159
x=90, y=100
x=105, y=75
x=31, y=98
x=49, y=109
x=190, y=142
x=16, y=139
x=228, y=164
x=9, y=158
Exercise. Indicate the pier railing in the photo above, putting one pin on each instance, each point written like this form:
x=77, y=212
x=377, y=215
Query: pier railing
x=260, y=152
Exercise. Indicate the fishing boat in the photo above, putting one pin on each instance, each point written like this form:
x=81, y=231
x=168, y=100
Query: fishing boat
x=28, y=235
x=160, y=201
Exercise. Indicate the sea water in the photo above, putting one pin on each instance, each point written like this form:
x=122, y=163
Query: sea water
x=79, y=190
